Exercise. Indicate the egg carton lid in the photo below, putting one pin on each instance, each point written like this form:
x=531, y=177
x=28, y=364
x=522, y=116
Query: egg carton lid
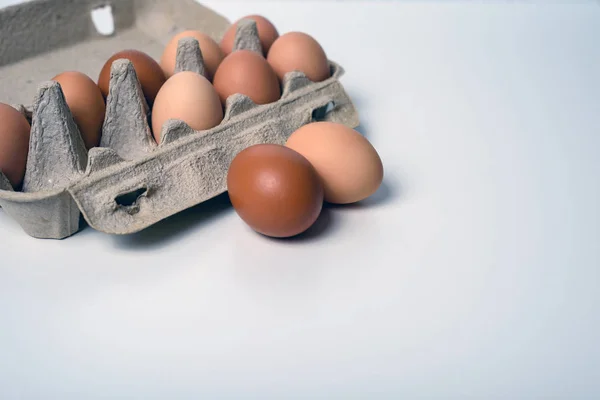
x=130, y=182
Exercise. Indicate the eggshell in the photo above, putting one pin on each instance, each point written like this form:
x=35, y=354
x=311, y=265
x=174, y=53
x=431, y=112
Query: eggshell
x=248, y=73
x=189, y=97
x=275, y=190
x=297, y=51
x=86, y=104
x=267, y=34
x=347, y=163
x=211, y=53
x=14, y=144
x=149, y=73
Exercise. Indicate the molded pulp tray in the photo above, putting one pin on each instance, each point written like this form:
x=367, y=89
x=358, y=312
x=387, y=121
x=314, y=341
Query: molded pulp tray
x=130, y=182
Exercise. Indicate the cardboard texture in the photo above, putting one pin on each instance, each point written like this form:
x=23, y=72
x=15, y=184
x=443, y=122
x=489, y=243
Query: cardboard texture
x=130, y=182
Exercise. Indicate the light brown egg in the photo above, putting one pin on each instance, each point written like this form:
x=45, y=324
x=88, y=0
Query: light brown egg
x=189, y=97
x=148, y=71
x=86, y=104
x=266, y=33
x=14, y=144
x=211, y=53
x=275, y=190
x=296, y=51
x=347, y=163
x=248, y=73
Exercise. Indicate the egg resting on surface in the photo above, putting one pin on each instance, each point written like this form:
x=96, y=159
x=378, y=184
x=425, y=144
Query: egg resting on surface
x=349, y=166
x=275, y=190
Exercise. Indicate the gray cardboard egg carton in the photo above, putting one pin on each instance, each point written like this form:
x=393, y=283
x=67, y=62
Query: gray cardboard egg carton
x=130, y=182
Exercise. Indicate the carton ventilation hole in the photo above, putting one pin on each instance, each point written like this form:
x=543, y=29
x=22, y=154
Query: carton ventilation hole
x=102, y=17
x=131, y=198
x=320, y=114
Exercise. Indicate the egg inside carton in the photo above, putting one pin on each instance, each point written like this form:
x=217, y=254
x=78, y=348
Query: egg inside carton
x=130, y=182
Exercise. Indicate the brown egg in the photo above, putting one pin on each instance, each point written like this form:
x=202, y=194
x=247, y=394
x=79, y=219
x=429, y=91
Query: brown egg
x=211, y=53
x=296, y=51
x=266, y=33
x=14, y=144
x=347, y=163
x=275, y=190
x=148, y=71
x=248, y=73
x=86, y=104
x=189, y=97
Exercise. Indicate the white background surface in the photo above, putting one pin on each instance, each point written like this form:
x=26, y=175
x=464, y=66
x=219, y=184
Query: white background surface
x=473, y=273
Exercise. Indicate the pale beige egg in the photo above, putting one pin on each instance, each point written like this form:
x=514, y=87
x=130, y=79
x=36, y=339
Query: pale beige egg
x=347, y=163
x=189, y=97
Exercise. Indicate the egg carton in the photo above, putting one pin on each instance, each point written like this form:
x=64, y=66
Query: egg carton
x=130, y=182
